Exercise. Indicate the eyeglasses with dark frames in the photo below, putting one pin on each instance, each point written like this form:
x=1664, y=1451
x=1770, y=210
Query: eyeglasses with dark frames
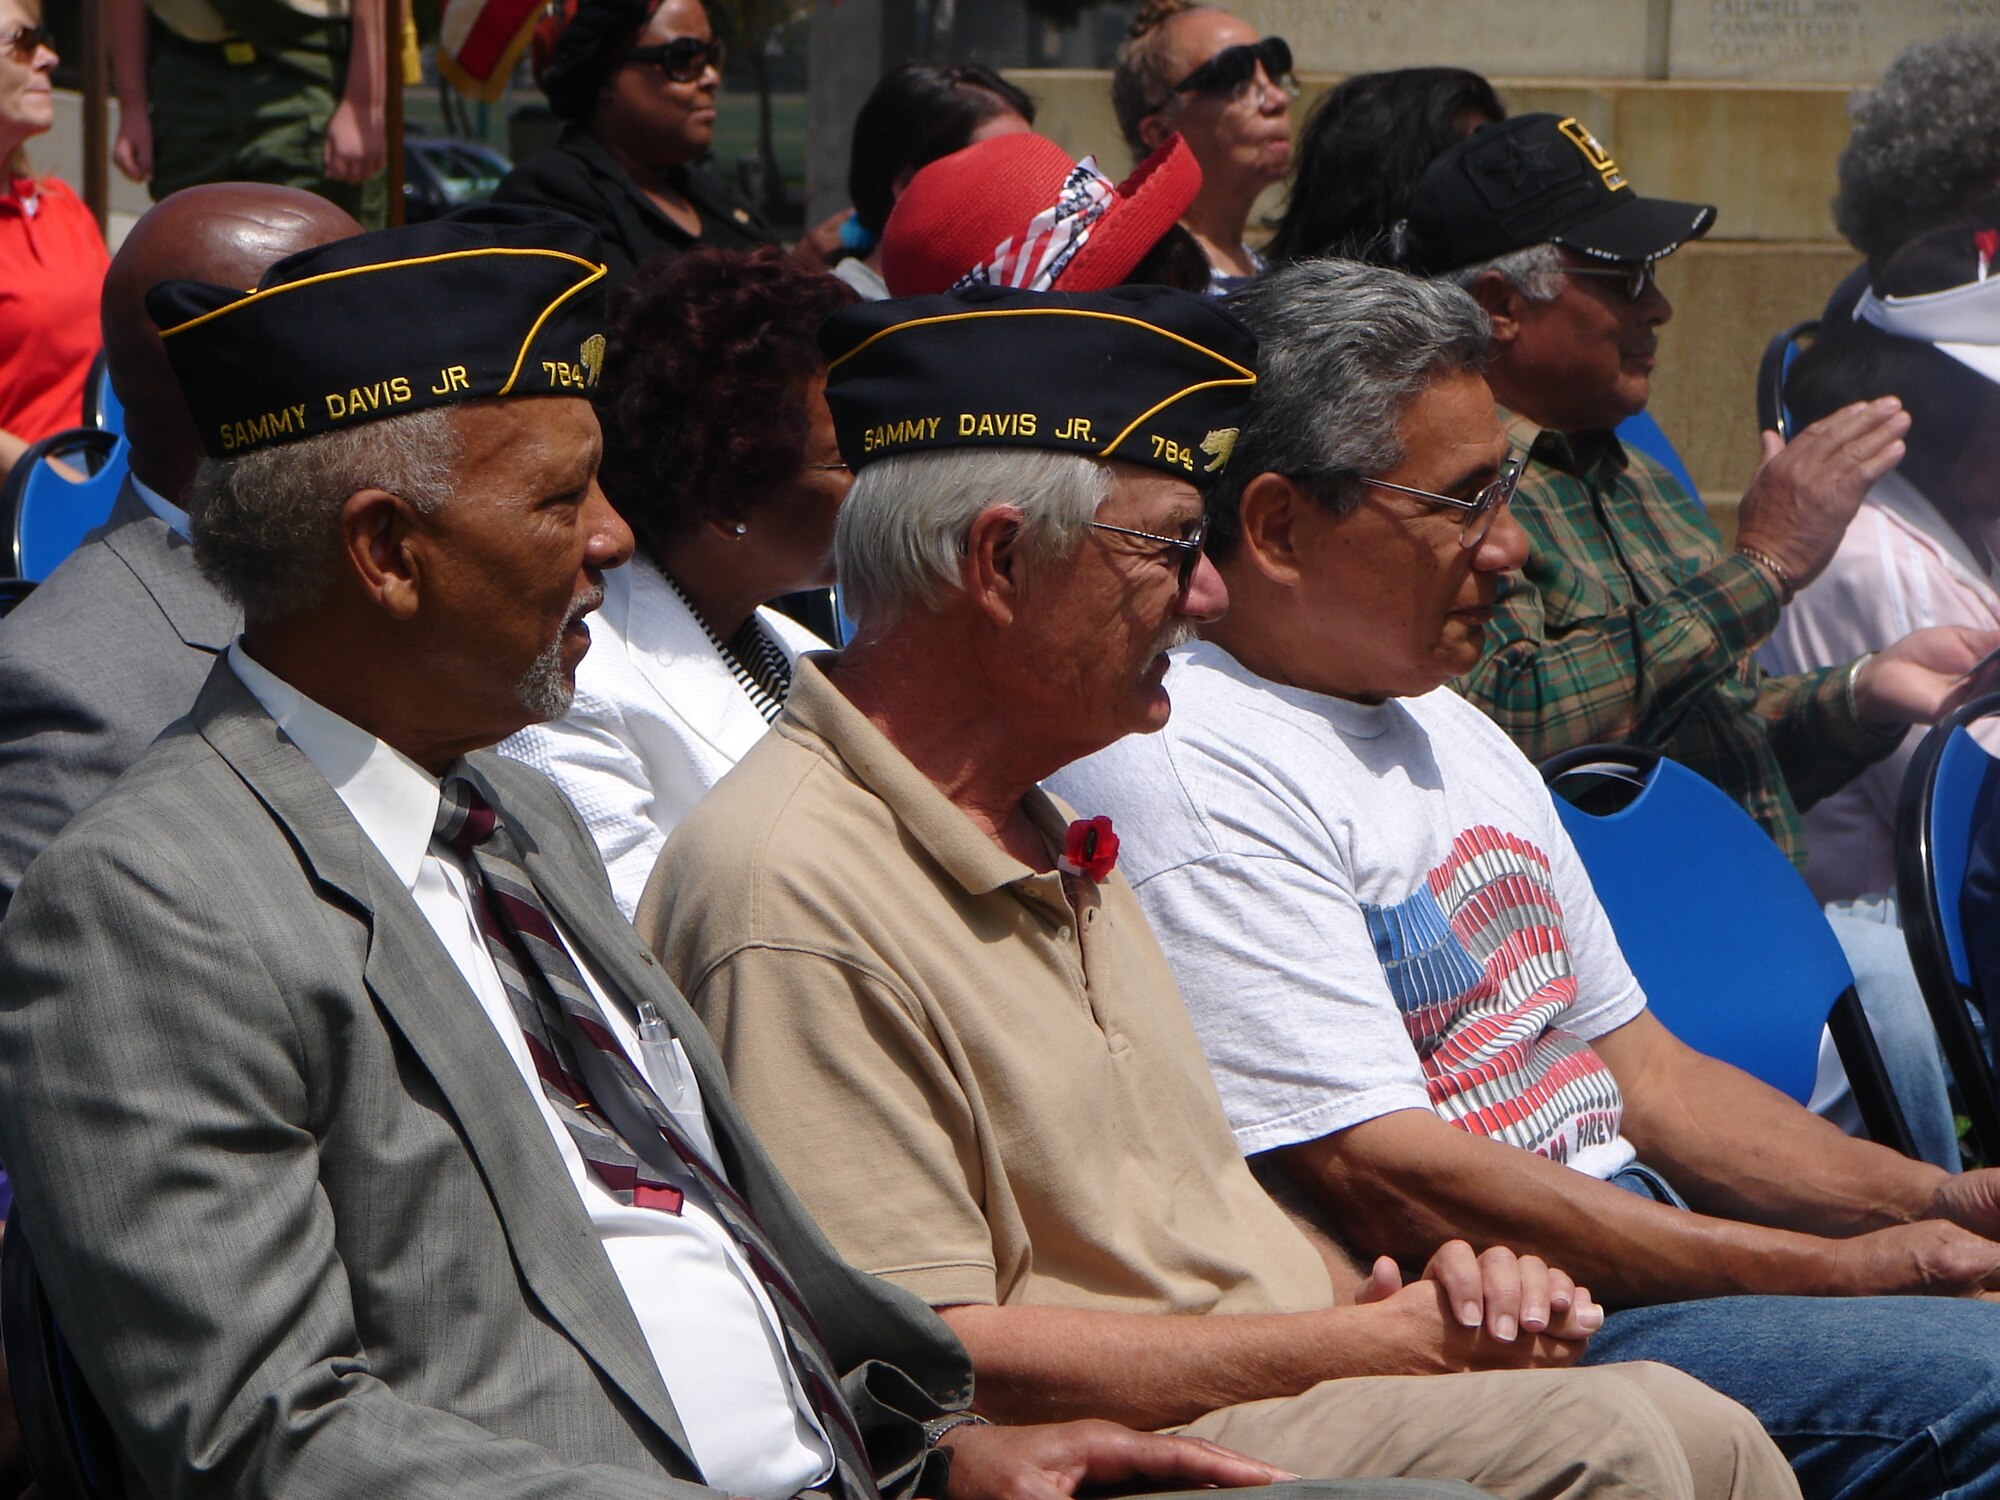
x=26, y=41
x=1480, y=510
x=683, y=60
x=1635, y=279
x=1188, y=546
x=1230, y=74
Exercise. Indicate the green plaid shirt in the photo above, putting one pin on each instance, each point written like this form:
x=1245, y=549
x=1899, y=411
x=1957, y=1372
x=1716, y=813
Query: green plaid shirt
x=1630, y=623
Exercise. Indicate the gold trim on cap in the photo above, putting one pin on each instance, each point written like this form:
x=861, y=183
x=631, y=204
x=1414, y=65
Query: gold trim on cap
x=597, y=270
x=1250, y=376
x=528, y=342
x=1206, y=385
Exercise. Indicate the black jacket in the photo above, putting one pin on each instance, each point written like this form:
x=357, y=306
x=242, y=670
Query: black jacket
x=577, y=176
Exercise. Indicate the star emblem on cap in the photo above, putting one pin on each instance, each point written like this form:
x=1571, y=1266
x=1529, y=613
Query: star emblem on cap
x=1524, y=161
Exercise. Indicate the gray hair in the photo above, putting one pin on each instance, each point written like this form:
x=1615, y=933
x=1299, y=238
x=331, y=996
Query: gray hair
x=267, y=522
x=902, y=531
x=1342, y=350
x=1925, y=139
x=1534, y=272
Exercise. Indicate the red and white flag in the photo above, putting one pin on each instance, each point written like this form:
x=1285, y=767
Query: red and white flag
x=479, y=41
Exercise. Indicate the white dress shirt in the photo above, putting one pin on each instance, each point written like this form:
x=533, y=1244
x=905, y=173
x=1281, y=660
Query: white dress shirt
x=704, y=1313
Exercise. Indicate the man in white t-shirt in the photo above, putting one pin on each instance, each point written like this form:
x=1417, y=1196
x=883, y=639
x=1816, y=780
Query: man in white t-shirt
x=1417, y=1015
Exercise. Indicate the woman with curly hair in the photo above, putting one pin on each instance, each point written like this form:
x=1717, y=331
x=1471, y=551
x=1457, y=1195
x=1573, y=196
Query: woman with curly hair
x=1199, y=70
x=719, y=453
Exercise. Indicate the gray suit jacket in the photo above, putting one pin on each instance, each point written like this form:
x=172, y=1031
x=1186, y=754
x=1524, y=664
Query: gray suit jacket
x=110, y=650
x=298, y=1216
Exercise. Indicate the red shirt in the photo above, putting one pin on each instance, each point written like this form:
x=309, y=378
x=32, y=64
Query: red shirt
x=52, y=264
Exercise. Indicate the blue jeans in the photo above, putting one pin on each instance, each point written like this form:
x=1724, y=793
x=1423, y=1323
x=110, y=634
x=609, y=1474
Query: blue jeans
x=1871, y=1398
x=1887, y=989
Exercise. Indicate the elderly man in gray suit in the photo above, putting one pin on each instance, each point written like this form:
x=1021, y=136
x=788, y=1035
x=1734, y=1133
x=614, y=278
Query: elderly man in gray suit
x=115, y=643
x=365, y=1149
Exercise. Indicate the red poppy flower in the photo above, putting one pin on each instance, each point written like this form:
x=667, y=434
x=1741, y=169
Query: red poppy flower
x=1089, y=848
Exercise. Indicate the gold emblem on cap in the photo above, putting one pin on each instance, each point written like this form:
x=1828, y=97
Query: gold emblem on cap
x=593, y=356
x=1599, y=159
x=1219, y=444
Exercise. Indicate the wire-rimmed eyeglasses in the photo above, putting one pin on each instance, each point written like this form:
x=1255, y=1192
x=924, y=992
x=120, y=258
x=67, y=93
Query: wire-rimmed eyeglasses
x=1188, y=546
x=1480, y=510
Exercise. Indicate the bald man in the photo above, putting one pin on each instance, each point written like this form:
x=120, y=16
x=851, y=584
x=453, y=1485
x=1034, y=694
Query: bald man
x=117, y=641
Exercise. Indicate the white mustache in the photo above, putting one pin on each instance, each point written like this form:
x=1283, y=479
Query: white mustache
x=583, y=604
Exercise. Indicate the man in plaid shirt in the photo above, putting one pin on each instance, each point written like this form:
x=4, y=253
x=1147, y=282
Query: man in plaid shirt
x=1629, y=622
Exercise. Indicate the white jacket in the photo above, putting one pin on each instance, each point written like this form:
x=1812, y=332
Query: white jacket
x=658, y=719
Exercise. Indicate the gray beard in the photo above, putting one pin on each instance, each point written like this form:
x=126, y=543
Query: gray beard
x=543, y=690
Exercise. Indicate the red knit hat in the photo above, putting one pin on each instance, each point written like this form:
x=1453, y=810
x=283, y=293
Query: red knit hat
x=1014, y=210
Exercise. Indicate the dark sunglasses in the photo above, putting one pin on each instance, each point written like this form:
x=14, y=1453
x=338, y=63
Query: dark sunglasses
x=1188, y=547
x=1232, y=70
x=1632, y=280
x=683, y=60
x=27, y=41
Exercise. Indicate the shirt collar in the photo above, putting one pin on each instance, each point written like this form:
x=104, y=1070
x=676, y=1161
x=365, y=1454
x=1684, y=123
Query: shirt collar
x=178, y=521
x=818, y=714
x=394, y=799
x=1578, y=454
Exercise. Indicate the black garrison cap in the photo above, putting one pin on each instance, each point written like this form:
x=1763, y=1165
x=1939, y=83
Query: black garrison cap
x=1142, y=373
x=1534, y=179
x=492, y=301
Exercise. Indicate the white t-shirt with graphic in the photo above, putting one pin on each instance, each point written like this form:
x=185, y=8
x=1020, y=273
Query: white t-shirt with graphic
x=1368, y=908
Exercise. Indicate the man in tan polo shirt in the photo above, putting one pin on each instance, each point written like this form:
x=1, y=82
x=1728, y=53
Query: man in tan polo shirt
x=945, y=1012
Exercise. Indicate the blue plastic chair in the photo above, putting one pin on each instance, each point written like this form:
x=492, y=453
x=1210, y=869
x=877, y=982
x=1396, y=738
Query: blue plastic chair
x=1773, y=415
x=1733, y=951
x=46, y=511
x=1948, y=794
x=1643, y=433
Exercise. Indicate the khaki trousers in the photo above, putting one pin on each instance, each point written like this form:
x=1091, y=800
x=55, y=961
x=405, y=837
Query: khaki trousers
x=1613, y=1432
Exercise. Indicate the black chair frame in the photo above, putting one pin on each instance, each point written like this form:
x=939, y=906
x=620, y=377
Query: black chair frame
x=93, y=444
x=1924, y=931
x=1771, y=413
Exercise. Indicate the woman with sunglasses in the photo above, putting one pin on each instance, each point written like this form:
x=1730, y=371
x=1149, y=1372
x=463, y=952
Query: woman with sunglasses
x=1201, y=71
x=52, y=259
x=635, y=81
x=719, y=453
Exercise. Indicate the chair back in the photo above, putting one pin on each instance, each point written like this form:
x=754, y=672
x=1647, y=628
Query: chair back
x=1948, y=795
x=1779, y=355
x=101, y=406
x=64, y=1434
x=1732, y=949
x=47, y=509
x=1640, y=431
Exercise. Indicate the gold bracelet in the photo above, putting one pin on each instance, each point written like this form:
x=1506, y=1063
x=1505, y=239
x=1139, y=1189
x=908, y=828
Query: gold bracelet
x=1854, y=676
x=1786, y=587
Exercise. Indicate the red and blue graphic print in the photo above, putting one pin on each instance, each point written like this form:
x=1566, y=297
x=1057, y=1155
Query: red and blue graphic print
x=1481, y=972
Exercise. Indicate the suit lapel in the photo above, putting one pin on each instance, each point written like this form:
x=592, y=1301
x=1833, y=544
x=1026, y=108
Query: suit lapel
x=415, y=983
x=164, y=565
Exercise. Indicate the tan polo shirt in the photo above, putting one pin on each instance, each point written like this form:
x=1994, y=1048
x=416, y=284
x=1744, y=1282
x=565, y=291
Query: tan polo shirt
x=982, y=1093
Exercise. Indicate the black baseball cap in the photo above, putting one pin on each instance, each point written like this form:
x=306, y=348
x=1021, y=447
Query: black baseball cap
x=1534, y=179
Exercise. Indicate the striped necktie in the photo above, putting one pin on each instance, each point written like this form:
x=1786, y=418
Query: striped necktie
x=625, y=1134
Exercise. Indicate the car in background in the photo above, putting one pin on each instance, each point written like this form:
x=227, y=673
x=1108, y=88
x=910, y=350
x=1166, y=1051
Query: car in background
x=441, y=173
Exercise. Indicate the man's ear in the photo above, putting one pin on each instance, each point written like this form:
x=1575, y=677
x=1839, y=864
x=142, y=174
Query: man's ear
x=1270, y=511
x=1154, y=129
x=991, y=570
x=380, y=541
x=1502, y=303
